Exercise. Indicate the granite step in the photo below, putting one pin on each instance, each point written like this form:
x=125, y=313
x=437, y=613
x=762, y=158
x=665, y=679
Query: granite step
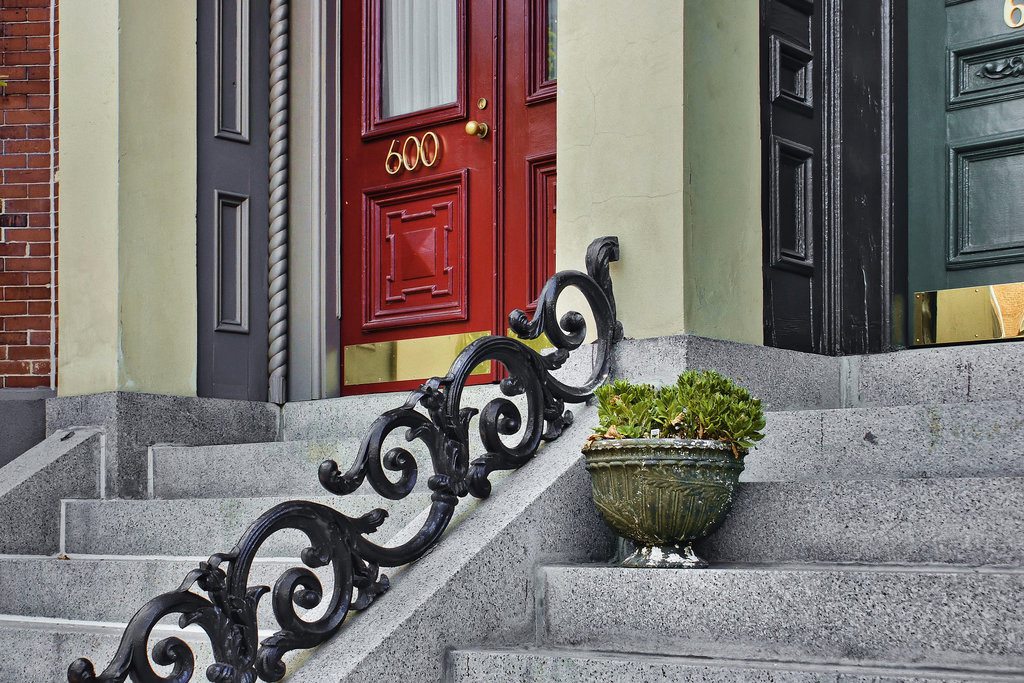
x=934, y=617
x=281, y=468
x=38, y=650
x=962, y=521
x=112, y=588
x=933, y=440
x=200, y=527
x=566, y=666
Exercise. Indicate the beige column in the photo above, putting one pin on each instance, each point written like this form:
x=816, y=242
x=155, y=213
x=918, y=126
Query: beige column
x=127, y=266
x=658, y=143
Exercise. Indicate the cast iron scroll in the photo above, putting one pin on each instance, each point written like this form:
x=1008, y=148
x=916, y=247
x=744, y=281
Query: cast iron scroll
x=227, y=613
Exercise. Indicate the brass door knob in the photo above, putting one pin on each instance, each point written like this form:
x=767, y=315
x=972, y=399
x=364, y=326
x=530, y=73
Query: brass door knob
x=478, y=129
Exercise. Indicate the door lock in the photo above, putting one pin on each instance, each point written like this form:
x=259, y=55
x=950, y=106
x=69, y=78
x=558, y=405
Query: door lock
x=478, y=129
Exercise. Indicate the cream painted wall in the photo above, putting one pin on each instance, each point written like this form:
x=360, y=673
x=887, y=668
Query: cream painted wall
x=683, y=199
x=722, y=243
x=127, y=269
x=620, y=151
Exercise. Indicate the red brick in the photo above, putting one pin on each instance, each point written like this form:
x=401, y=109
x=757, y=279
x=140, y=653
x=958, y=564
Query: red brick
x=14, y=73
x=27, y=28
x=38, y=43
x=27, y=205
x=27, y=235
x=37, y=190
x=39, y=278
x=36, y=132
x=36, y=338
x=27, y=116
x=13, y=132
x=13, y=191
x=15, y=367
x=13, y=308
x=12, y=14
x=13, y=101
x=14, y=338
x=26, y=264
x=30, y=87
x=39, y=249
x=39, y=220
x=17, y=43
x=33, y=176
x=27, y=382
x=27, y=147
x=26, y=293
x=15, y=249
x=13, y=280
x=38, y=307
x=26, y=58
x=13, y=161
x=28, y=353
x=3, y=353
x=41, y=367
x=27, y=322
x=28, y=3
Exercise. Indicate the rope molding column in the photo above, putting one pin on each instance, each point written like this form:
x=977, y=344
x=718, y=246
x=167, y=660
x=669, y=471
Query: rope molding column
x=278, y=241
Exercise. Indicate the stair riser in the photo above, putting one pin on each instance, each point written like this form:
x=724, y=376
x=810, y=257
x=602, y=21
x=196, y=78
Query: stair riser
x=112, y=590
x=955, y=521
x=202, y=527
x=286, y=468
x=963, y=440
x=957, y=619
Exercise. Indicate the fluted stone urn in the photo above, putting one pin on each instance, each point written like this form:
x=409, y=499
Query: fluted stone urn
x=663, y=494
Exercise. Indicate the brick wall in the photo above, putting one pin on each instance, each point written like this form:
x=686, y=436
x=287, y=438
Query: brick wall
x=28, y=194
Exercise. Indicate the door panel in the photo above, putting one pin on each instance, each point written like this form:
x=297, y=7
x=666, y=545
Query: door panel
x=232, y=186
x=792, y=121
x=447, y=186
x=966, y=105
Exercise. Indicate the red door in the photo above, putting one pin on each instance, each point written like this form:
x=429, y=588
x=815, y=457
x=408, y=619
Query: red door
x=447, y=179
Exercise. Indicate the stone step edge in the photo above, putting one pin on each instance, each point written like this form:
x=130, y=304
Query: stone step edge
x=994, y=674
x=838, y=567
x=896, y=409
x=49, y=624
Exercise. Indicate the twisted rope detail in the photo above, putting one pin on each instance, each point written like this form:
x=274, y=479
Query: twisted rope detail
x=278, y=238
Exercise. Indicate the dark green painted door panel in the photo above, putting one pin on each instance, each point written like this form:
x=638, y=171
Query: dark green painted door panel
x=965, y=146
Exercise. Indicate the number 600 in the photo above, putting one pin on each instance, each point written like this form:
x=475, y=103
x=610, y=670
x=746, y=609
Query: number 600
x=397, y=160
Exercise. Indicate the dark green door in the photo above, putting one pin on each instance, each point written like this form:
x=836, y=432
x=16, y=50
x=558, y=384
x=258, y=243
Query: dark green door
x=966, y=163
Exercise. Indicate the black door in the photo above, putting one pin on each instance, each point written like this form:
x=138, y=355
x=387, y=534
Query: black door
x=233, y=178
x=966, y=147
x=832, y=126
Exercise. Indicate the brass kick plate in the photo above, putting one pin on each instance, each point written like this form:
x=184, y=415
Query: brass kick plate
x=406, y=359
x=969, y=314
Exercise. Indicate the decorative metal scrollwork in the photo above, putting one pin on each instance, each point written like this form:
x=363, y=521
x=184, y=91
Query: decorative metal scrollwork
x=228, y=612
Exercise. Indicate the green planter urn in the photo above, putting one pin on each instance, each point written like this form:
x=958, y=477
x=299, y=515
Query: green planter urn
x=663, y=494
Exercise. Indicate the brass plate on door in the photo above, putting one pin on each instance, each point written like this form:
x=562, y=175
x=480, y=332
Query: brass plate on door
x=969, y=314
x=406, y=359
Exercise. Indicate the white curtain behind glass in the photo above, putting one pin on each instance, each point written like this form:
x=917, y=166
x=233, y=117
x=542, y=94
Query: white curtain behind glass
x=419, y=60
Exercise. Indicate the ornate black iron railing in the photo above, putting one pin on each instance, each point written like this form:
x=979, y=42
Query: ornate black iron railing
x=228, y=612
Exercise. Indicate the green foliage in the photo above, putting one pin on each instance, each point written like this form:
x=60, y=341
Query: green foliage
x=700, y=405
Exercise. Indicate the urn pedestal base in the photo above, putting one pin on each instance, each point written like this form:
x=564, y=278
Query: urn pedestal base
x=672, y=556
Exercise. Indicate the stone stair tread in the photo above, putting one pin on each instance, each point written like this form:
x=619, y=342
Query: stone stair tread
x=866, y=615
x=929, y=440
x=203, y=526
x=967, y=521
x=494, y=665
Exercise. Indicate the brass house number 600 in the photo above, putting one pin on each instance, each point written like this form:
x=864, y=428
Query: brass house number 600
x=1013, y=13
x=413, y=152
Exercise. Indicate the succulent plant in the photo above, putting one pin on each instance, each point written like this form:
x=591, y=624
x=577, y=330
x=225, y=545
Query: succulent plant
x=700, y=405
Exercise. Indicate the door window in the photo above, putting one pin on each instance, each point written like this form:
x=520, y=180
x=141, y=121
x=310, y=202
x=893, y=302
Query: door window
x=419, y=55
